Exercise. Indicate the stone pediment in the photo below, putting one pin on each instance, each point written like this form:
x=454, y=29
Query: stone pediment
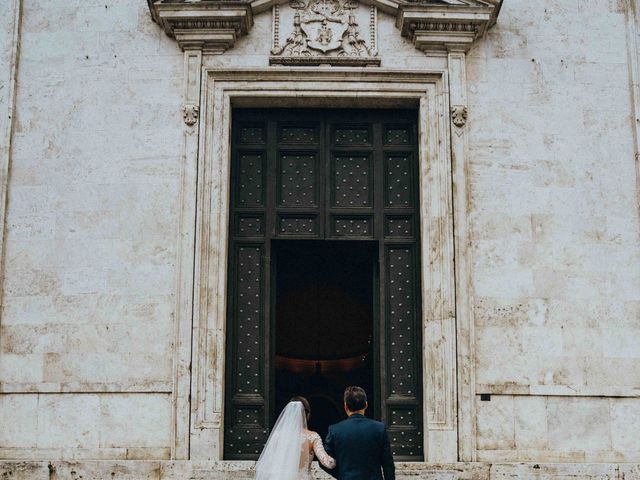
x=432, y=25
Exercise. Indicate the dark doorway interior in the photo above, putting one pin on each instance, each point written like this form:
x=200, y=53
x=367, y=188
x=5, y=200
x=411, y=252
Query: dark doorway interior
x=324, y=324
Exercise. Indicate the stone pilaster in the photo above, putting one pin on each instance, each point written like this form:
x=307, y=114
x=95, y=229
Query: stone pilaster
x=7, y=118
x=462, y=246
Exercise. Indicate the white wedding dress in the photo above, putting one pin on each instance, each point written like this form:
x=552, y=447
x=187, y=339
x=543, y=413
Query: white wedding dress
x=290, y=448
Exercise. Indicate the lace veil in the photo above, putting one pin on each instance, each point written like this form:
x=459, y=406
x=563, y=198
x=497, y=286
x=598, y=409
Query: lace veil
x=286, y=454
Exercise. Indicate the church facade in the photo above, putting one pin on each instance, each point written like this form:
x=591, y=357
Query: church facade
x=209, y=206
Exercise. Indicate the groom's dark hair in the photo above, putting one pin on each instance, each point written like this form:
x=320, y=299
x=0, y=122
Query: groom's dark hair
x=355, y=398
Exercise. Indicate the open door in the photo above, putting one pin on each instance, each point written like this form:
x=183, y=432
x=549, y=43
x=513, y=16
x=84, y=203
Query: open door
x=324, y=207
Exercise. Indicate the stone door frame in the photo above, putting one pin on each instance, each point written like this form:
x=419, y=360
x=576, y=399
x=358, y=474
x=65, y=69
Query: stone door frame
x=210, y=94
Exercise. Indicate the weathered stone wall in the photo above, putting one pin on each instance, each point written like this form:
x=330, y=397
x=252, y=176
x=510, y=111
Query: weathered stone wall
x=91, y=235
x=86, y=339
x=555, y=234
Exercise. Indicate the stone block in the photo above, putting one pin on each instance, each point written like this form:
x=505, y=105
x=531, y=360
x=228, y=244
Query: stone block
x=108, y=368
x=496, y=424
x=24, y=470
x=555, y=471
x=578, y=342
x=625, y=424
x=504, y=282
x=613, y=371
x=578, y=424
x=542, y=341
x=68, y=421
x=21, y=368
x=621, y=342
x=505, y=312
x=531, y=430
x=135, y=422
x=18, y=420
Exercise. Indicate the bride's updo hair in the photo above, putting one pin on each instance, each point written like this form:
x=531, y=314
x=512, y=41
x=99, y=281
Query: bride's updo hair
x=305, y=404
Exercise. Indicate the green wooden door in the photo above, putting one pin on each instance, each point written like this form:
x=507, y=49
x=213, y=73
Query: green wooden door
x=323, y=175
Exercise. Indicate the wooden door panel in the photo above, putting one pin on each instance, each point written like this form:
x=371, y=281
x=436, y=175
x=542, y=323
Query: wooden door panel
x=296, y=225
x=297, y=134
x=249, y=225
x=399, y=179
x=251, y=134
x=399, y=135
x=352, y=135
x=251, y=179
x=297, y=183
x=361, y=226
x=351, y=180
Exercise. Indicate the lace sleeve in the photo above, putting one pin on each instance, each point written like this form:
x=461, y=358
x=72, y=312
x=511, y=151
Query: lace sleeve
x=323, y=457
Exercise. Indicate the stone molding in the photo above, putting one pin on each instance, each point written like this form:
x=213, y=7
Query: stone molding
x=445, y=28
x=212, y=26
x=433, y=27
x=558, y=390
x=427, y=90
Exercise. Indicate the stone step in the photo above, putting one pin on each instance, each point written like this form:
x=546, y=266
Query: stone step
x=192, y=470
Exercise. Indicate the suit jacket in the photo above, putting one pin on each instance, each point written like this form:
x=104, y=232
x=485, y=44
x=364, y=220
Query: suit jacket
x=361, y=449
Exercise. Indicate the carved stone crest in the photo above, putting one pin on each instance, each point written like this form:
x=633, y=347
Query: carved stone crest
x=324, y=32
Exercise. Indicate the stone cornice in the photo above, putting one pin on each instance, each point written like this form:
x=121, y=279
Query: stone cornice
x=439, y=27
x=210, y=25
x=432, y=25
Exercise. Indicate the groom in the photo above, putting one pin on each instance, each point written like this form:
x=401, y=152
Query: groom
x=359, y=445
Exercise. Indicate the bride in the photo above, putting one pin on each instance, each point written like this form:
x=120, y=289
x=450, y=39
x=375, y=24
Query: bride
x=290, y=448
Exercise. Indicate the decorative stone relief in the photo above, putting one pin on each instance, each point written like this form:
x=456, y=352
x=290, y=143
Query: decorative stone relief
x=459, y=115
x=324, y=32
x=190, y=114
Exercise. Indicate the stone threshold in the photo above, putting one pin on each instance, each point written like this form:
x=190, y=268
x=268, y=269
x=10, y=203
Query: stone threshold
x=228, y=470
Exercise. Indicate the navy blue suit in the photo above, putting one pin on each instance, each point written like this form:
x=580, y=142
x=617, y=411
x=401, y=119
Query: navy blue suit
x=361, y=449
